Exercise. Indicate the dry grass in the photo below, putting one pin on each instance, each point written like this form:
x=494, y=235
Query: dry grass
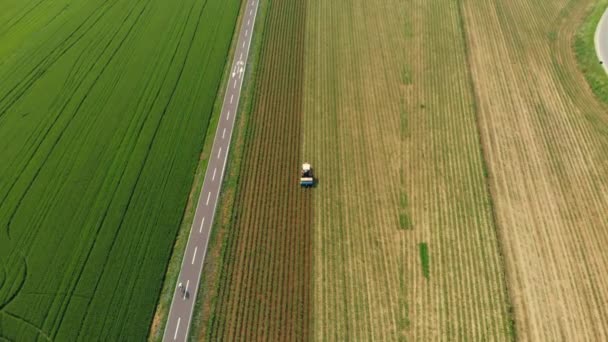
x=546, y=140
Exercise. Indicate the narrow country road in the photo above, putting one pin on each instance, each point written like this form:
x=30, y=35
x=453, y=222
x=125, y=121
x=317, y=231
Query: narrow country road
x=182, y=305
x=601, y=40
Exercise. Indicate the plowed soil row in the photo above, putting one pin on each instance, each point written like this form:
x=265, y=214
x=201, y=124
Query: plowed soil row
x=264, y=287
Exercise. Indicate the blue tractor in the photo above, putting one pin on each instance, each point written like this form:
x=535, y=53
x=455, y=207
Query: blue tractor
x=306, y=178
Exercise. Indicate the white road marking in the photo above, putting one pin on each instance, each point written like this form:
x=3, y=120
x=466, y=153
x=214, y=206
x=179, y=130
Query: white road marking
x=200, y=230
x=246, y=32
x=243, y=44
x=194, y=256
x=240, y=59
x=208, y=196
x=224, y=133
x=231, y=98
x=218, y=153
x=251, y=11
x=228, y=116
x=177, y=328
x=234, y=85
x=213, y=178
x=248, y=21
x=186, y=290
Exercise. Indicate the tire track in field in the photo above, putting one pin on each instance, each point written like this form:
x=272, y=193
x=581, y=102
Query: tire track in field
x=54, y=144
x=32, y=232
x=28, y=324
x=163, y=115
x=25, y=13
x=50, y=127
x=152, y=139
x=75, y=112
x=40, y=69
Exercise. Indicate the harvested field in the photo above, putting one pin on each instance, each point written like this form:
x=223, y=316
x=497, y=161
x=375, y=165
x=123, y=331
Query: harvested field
x=263, y=292
x=405, y=245
x=460, y=159
x=546, y=141
x=103, y=110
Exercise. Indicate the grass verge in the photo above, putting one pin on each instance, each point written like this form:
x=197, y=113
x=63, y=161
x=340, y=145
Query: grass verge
x=424, y=259
x=584, y=47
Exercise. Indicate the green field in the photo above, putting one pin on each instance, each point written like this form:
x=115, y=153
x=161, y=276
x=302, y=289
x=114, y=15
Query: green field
x=103, y=110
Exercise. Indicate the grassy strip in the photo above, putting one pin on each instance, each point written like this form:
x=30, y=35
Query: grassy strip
x=584, y=47
x=224, y=220
x=162, y=309
x=424, y=259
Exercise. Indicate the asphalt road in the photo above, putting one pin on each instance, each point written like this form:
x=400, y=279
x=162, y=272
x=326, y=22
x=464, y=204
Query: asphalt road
x=182, y=305
x=601, y=40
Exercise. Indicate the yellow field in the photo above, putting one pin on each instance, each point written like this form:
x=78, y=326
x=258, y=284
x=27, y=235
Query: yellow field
x=390, y=127
x=465, y=125
x=546, y=143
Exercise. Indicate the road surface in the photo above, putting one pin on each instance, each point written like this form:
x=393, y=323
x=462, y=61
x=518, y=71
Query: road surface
x=601, y=40
x=182, y=305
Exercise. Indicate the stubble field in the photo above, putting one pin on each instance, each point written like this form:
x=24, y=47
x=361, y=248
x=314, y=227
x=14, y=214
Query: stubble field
x=405, y=244
x=400, y=115
x=545, y=138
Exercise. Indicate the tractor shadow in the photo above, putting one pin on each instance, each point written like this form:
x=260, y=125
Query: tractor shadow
x=315, y=184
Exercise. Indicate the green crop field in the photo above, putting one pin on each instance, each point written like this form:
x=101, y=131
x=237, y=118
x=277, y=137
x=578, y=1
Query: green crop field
x=104, y=107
